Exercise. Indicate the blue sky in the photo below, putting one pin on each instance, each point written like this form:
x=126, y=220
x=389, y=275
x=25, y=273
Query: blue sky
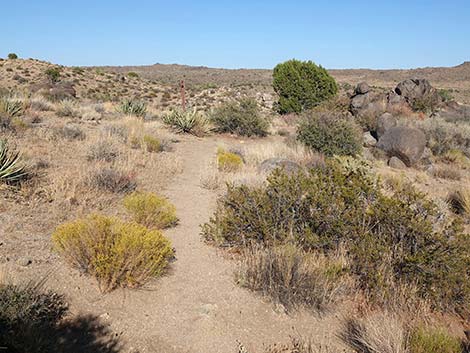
x=236, y=34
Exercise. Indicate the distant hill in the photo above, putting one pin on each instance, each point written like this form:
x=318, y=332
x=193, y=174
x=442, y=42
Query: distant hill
x=455, y=78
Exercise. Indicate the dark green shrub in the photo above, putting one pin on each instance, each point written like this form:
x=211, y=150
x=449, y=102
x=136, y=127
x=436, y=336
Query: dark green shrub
x=391, y=239
x=53, y=74
x=302, y=86
x=330, y=134
x=132, y=74
x=241, y=117
x=12, y=56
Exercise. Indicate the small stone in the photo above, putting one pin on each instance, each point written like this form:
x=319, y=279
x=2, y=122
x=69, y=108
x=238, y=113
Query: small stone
x=369, y=140
x=24, y=262
x=396, y=163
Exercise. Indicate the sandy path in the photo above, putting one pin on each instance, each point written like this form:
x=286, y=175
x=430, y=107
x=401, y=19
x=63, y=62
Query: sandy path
x=196, y=307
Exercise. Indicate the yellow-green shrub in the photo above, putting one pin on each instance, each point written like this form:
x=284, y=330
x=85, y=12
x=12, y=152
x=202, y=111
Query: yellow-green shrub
x=152, y=144
x=116, y=253
x=150, y=210
x=228, y=161
x=428, y=340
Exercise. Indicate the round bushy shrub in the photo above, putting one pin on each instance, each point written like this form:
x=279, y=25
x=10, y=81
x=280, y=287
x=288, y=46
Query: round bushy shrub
x=302, y=85
x=330, y=134
x=241, y=117
x=150, y=210
x=117, y=254
x=12, y=56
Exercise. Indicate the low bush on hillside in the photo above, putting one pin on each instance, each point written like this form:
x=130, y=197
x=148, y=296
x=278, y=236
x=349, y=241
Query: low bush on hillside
x=150, y=210
x=443, y=136
x=228, y=161
x=68, y=132
x=302, y=85
x=391, y=239
x=112, y=180
x=293, y=277
x=187, y=121
x=241, y=117
x=330, y=134
x=103, y=150
x=12, y=56
x=28, y=315
x=117, y=254
x=53, y=74
x=133, y=107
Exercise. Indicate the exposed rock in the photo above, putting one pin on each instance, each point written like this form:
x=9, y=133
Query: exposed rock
x=414, y=89
x=369, y=140
x=396, y=163
x=359, y=102
x=270, y=164
x=403, y=142
x=362, y=88
x=385, y=122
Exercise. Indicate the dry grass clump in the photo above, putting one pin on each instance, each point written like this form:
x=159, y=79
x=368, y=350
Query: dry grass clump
x=459, y=201
x=375, y=333
x=297, y=344
x=68, y=108
x=434, y=340
x=28, y=315
x=117, y=254
x=150, y=210
x=447, y=172
x=228, y=161
x=103, y=150
x=256, y=154
x=40, y=104
x=152, y=144
x=112, y=180
x=68, y=132
x=293, y=277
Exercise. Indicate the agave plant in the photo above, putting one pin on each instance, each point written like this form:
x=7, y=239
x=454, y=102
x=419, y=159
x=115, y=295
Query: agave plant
x=132, y=107
x=11, y=107
x=187, y=121
x=10, y=169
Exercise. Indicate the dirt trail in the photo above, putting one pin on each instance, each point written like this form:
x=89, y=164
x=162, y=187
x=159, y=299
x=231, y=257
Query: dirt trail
x=197, y=307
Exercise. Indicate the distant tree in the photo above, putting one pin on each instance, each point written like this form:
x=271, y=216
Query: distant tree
x=12, y=56
x=302, y=85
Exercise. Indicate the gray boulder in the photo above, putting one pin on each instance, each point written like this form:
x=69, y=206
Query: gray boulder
x=413, y=89
x=270, y=164
x=406, y=143
x=359, y=102
x=362, y=88
x=385, y=122
x=396, y=163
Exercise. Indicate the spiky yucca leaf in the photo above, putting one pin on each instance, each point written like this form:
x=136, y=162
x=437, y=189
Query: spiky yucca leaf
x=10, y=169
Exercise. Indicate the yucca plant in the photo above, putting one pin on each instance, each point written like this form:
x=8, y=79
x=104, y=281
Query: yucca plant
x=11, y=107
x=187, y=121
x=10, y=169
x=133, y=107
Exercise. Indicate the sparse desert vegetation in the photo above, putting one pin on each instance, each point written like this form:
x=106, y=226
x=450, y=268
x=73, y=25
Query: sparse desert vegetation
x=339, y=210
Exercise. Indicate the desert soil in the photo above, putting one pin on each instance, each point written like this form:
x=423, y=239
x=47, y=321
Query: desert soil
x=197, y=306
